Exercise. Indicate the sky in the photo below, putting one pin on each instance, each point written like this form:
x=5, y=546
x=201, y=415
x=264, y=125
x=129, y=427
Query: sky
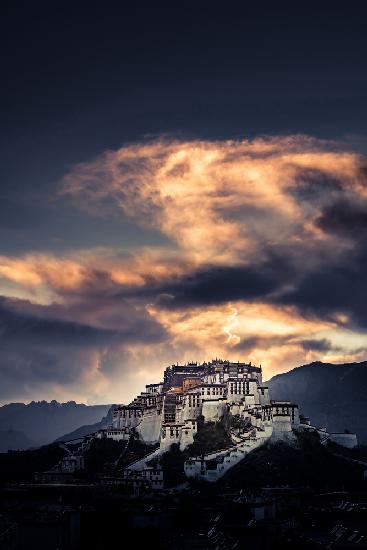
x=178, y=182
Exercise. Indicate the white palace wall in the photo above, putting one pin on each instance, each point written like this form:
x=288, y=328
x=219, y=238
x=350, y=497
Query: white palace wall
x=213, y=410
x=149, y=429
x=181, y=434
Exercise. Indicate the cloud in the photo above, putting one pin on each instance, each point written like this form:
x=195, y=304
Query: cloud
x=249, y=217
x=194, y=192
x=335, y=289
x=345, y=219
x=217, y=285
x=42, y=352
x=257, y=329
x=39, y=350
x=45, y=277
x=265, y=257
x=322, y=345
x=16, y=327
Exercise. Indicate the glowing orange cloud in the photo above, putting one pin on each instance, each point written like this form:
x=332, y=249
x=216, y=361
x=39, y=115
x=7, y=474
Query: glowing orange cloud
x=221, y=204
x=275, y=335
x=210, y=197
x=220, y=330
x=46, y=276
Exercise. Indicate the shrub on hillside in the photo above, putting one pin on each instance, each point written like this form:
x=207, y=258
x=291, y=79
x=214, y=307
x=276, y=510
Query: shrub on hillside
x=211, y=436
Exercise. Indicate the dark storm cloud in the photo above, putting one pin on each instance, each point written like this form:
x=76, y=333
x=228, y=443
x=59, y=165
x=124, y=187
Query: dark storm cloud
x=23, y=321
x=217, y=285
x=321, y=345
x=247, y=345
x=312, y=184
x=17, y=328
x=333, y=289
x=37, y=351
x=344, y=218
x=322, y=291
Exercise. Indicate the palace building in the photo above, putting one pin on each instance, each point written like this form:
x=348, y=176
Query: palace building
x=217, y=391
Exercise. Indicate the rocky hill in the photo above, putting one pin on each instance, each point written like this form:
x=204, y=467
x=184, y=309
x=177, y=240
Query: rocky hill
x=306, y=463
x=332, y=395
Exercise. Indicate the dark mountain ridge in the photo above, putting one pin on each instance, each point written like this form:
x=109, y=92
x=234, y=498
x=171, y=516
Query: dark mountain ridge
x=89, y=428
x=41, y=422
x=332, y=395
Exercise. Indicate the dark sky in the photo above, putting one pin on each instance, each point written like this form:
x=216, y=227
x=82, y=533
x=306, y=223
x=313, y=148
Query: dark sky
x=82, y=78
x=79, y=78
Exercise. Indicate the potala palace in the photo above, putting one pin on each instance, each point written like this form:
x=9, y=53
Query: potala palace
x=168, y=412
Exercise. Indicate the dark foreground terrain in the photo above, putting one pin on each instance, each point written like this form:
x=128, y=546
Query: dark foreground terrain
x=89, y=516
x=308, y=496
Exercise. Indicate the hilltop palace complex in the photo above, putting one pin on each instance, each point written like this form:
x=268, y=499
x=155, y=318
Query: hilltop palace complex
x=168, y=412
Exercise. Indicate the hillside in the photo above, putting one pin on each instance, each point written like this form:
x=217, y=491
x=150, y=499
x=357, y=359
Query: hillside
x=306, y=464
x=89, y=428
x=332, y=395
x=42, y=422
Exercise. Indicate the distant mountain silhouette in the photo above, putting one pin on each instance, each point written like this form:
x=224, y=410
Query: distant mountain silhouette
x=42, y=422
x=14, y=440
x=89, y=428
x=332, y=395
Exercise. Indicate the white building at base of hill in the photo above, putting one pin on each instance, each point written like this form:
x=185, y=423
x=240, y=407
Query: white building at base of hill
x=344, y=439
x=347, y=440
